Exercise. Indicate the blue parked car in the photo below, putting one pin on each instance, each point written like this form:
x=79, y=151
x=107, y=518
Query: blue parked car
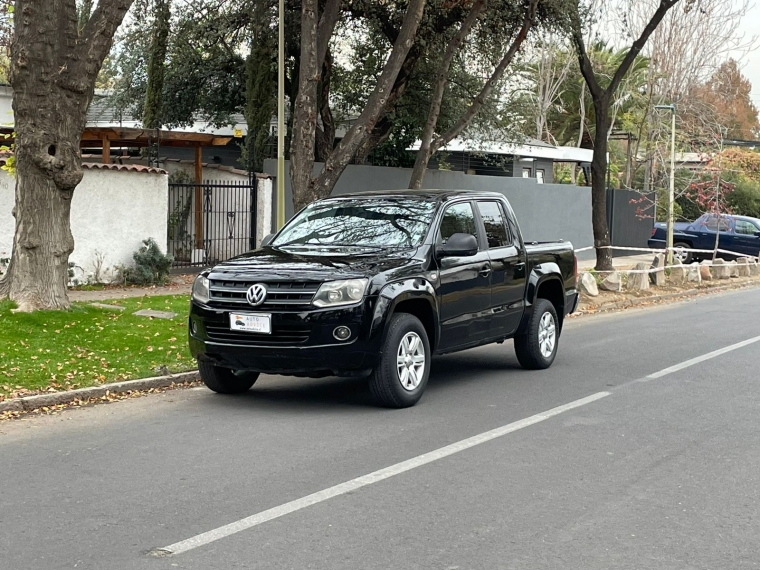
x=737, y=233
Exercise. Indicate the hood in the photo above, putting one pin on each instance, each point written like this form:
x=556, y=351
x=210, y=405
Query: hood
x=285, y=264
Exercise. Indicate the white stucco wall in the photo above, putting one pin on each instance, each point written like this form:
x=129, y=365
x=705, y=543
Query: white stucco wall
x=111, y=213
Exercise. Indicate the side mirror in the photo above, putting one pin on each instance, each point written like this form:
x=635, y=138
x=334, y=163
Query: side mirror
x=460, y=245
x=757, y=234
x=267, y=240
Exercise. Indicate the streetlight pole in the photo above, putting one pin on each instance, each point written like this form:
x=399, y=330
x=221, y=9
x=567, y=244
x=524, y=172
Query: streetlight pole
x=281, y=121
x=672, y=191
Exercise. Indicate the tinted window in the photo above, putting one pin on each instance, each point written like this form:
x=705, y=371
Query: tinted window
x=746, y=228
x=712, y=224
x=493, y=220
x=458, y=219
x=356, y=223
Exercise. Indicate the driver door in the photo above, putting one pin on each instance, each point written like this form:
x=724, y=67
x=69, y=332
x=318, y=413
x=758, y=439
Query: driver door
x=465, y=283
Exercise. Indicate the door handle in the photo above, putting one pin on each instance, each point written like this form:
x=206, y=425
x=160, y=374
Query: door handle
x=485, y=272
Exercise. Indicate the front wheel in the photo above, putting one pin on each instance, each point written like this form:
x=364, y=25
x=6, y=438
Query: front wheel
x=403, y=369
x=224, y=380
x=537, y=348
x=682, y=254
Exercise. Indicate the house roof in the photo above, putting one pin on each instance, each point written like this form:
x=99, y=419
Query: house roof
x=531, y=148
x=123, y=167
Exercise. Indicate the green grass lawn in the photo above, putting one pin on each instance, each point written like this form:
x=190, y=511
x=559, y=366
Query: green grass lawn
x=86, y=346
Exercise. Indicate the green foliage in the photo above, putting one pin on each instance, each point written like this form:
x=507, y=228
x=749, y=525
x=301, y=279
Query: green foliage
x=153, y=110
x=151, y=265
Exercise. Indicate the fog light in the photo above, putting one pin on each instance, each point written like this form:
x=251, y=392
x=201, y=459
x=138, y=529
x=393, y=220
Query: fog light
x=193, y=327
x=342, y=333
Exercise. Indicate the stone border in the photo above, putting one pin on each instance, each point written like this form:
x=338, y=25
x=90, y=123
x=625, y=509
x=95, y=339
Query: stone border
x=668, y=297
x=50, y=399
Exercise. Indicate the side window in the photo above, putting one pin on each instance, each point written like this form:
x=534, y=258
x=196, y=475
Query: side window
x=746, y=228
x=458, y=219
x=496, y=228
x=712, y=224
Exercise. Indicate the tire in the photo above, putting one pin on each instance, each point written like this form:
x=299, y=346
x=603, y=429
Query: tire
x=224, y=380
x=686, y=256
x=531, y=348
x=403, y=368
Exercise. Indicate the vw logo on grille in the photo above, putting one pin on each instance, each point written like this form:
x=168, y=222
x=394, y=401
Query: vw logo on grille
x=256, y=294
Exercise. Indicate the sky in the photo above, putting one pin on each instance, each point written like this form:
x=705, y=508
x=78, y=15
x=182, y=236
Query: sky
x=751, y=62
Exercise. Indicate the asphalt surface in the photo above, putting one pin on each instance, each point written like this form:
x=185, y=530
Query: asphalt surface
x=654, y=473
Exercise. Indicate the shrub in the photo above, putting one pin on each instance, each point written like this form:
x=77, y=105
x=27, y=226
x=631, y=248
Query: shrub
x=151, y=265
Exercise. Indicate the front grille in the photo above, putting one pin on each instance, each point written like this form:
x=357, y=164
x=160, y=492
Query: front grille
x=282, y=335
x=232, y=294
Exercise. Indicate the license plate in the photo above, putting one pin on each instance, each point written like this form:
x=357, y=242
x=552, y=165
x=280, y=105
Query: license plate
x=248, y=322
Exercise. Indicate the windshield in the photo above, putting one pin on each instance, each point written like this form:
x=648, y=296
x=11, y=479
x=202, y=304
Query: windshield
x=387, y=222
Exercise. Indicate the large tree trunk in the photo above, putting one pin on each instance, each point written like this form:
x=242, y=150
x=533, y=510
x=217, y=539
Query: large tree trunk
x=53, y=78
x=599, y=188
x=305, y=189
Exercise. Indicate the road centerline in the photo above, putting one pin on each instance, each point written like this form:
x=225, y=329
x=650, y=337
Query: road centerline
x=365, y=480
x=696, y=360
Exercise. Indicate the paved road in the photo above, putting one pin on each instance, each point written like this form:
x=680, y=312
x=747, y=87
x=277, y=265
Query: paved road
x=624, y=471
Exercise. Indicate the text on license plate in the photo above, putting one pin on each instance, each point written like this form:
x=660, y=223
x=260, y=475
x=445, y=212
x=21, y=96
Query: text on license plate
x=251, y=323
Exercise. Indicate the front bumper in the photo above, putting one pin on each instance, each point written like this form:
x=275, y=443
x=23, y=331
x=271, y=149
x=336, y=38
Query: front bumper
x=301, y=343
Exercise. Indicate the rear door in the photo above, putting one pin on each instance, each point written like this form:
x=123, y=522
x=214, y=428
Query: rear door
x=745, y=239
x=465, y=282
x=507, y=268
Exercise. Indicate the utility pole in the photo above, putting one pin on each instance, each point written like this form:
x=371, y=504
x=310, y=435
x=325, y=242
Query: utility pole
x=281, y=122
x=671, y=193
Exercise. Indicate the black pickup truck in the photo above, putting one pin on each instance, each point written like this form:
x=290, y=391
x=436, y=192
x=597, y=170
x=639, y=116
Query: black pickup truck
x=374, y=285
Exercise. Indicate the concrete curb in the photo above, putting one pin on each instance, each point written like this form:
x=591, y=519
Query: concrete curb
x=29, y=403
x=668, y=297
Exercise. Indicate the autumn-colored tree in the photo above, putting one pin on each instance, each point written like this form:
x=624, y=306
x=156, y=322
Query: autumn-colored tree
x=727, y=95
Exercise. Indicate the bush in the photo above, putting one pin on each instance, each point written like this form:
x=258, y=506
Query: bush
x=151, y=265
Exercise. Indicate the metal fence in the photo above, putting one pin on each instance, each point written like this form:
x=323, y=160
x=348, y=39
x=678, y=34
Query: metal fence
x=211, y=221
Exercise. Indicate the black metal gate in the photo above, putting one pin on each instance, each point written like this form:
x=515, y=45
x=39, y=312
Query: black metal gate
x=211, y=222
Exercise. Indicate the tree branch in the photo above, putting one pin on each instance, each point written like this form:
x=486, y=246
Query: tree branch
x=441, y=80
x=490, y=85
x=638, y=45
x=95, y=41
x=326, y=28
x=376, y=104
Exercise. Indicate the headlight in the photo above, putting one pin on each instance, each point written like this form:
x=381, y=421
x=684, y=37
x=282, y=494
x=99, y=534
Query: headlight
x=336, y=293
x=200, y=289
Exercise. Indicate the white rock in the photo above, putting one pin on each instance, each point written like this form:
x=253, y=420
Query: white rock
x=639, y=281
x=587, y=285
x=612, y=282
x=695, y=275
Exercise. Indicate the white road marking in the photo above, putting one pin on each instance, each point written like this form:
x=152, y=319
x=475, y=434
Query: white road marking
x=698, y=359
x=375, y=477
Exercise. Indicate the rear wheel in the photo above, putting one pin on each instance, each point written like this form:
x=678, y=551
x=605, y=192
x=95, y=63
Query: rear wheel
x=225, y=380
x=402, y=371
x=537, y=348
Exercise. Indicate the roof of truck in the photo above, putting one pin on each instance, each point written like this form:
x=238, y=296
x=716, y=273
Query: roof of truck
x=426, y=193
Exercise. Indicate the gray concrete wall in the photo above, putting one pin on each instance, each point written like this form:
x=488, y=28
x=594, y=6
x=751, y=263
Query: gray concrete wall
x=544, y=211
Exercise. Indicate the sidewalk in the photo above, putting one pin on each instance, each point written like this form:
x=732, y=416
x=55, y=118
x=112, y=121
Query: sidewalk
x=623, y=262
x=178, y=285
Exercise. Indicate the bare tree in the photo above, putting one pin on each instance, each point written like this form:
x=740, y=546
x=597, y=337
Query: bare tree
x=603, y=98
x=53, y=74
